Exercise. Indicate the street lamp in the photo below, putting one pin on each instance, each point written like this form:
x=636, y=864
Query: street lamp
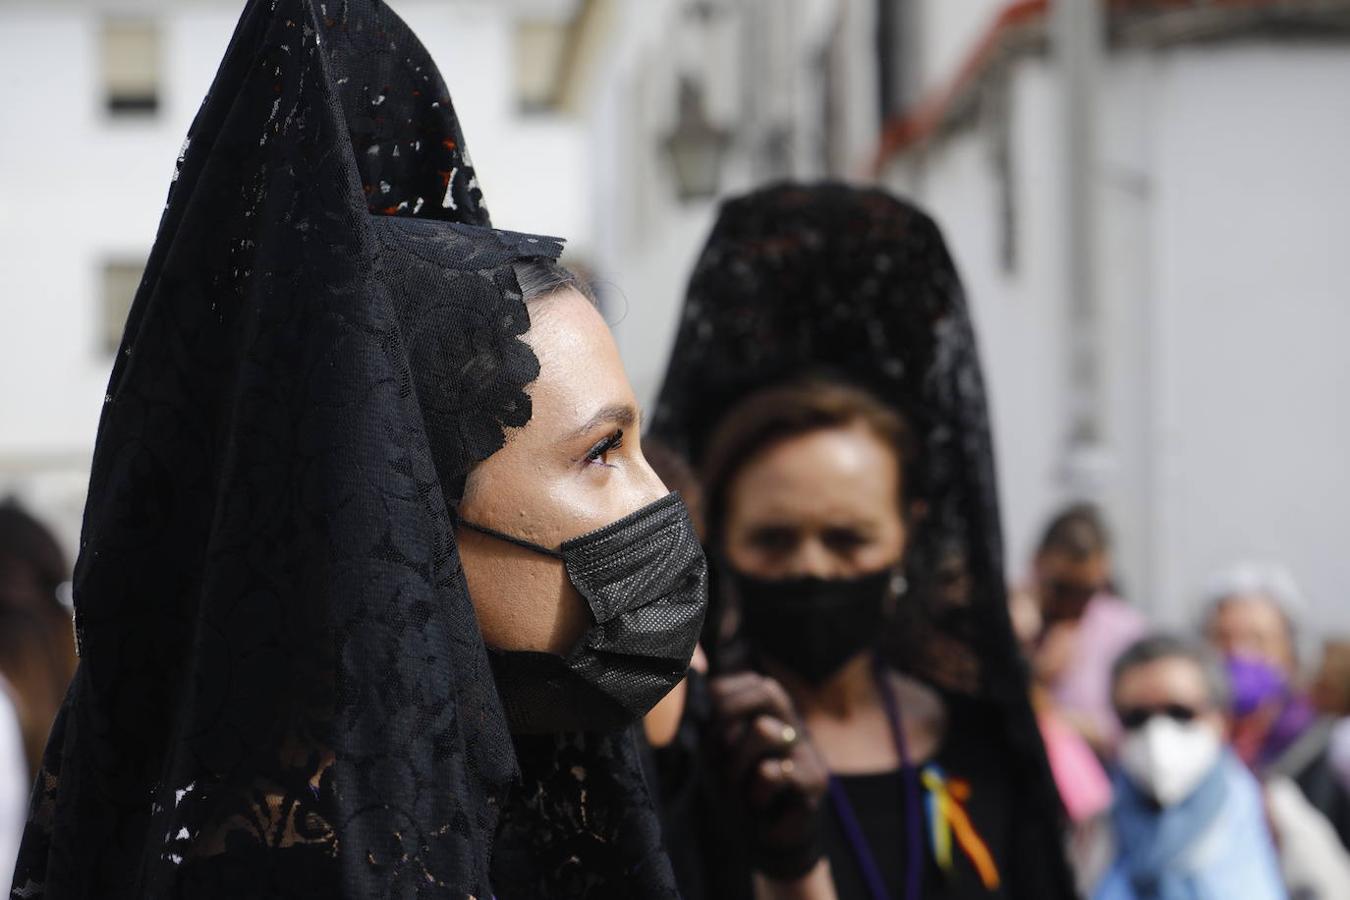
x=695, y=147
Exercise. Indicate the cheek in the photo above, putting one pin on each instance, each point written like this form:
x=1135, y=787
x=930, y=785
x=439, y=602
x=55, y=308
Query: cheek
x=522, y=601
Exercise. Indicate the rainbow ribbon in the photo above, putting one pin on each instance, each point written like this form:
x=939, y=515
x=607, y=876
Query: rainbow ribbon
x=948, y=819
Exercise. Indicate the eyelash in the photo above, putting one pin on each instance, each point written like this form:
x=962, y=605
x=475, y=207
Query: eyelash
x=597, y=453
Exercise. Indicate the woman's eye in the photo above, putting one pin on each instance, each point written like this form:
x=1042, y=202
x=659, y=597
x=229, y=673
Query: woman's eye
x=599, y=454
x=773, y=540
x=844, y=540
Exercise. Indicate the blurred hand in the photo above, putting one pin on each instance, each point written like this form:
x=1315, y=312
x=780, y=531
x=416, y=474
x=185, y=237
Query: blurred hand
x=778, y=774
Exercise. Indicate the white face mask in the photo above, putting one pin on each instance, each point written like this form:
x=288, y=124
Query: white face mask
x=1168, y=759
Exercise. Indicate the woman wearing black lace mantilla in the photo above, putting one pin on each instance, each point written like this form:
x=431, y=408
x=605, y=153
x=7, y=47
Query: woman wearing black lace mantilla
x=373, y=573
x=866, y=733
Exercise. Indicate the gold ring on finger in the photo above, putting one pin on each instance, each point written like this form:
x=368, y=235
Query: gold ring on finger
x=788, y=735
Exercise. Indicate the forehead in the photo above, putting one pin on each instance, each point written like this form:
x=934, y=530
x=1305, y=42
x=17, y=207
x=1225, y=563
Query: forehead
x=1171, y=679
x=1249, y=612
x=580, y=369
x=832, y=472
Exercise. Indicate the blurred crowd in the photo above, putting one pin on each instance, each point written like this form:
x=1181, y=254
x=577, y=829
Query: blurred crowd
x=1148, y=733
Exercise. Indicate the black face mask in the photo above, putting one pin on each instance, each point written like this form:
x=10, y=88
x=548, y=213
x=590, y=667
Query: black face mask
x=812, y=626
x=646, y=583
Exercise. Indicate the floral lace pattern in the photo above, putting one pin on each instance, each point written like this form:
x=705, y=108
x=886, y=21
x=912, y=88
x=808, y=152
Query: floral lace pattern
x=561, y=837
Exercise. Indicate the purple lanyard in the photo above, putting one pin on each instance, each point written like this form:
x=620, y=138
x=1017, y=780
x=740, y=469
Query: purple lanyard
x=848, y=820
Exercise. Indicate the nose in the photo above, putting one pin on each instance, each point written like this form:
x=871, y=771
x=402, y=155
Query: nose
x=812, y=559
x=647, y=484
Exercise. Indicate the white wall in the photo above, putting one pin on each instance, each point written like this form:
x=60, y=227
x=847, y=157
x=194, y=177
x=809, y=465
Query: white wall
x=83, y=188
x=1224, y=203
x=1252, y=250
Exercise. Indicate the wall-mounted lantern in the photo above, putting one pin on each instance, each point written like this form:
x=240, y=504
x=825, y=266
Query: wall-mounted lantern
x=695, y=147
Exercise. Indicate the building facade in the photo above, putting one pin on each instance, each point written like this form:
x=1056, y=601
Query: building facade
x=1212, y=426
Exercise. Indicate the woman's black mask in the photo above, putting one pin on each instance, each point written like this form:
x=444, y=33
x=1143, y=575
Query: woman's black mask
x=645, y=581
x=812, y=626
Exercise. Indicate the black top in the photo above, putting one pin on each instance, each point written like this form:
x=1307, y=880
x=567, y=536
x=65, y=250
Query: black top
x=878, y=803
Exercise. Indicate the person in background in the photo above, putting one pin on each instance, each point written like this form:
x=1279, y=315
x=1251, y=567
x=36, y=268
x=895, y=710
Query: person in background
x=1251, y=614
x=37, y=659
x=1252, y=617
x=37, y=638
x=1187, y=821
x=1084, y=624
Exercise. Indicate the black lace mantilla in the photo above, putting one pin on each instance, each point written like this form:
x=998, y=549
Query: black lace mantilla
x=283, y=691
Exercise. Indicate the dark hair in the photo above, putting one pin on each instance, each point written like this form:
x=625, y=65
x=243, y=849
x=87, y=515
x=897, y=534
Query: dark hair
x=541, y=277
x=29, y=554
x=1078, y=531
x=1159, y=646
x=774, y=414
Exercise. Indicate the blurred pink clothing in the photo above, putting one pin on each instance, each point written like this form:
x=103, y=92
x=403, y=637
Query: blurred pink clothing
x=1083, y=786
x=1083, y=690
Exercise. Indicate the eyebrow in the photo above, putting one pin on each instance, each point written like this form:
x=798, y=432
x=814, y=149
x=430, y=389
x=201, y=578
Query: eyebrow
x=621, y=414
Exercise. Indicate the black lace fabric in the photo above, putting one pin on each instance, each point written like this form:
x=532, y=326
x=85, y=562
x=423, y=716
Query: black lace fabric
x=855, y=285
x=562, y=837
x=282, y=690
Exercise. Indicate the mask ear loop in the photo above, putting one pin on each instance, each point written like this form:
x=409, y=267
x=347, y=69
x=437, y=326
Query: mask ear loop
x=511, y=539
